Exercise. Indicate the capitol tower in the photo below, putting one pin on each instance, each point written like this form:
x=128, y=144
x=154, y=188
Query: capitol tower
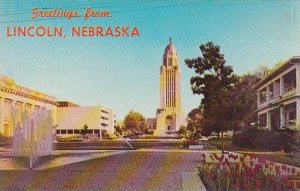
x=169, y=116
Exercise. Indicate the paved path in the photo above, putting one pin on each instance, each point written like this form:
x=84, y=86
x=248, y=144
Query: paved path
x=58, y=158
x=135, y=170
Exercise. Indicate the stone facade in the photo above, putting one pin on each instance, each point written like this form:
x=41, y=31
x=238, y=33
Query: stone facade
x=23, y=101
x=169, y=115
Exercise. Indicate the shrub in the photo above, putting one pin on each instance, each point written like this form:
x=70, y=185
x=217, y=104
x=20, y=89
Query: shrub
x=5, y=141
x=262, y=139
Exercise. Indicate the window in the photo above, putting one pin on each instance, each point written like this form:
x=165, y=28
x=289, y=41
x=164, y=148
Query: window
x=70, y=132
x=105, y=118
x=290, y=113
x=289, y=81
x=170, y=62
x=263, y=95
x=76, y=131
x=7, y=106
x=262, y=120
x=104, y=124
x=63, y=131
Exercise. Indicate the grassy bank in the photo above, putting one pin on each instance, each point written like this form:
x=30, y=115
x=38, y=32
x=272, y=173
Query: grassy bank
x=292, y=158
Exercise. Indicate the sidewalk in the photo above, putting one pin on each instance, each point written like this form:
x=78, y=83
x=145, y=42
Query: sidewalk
x=58, y=158
x=192, y=182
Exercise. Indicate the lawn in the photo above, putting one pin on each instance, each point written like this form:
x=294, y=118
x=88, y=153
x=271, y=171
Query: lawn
x=292, y=158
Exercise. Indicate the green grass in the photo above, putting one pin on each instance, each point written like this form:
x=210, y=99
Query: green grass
x=286, y=158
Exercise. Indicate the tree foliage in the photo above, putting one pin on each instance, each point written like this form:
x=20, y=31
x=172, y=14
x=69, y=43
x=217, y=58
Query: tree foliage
x=213, y=80
x=134, y=121
x=194, y=120
x=242, y=101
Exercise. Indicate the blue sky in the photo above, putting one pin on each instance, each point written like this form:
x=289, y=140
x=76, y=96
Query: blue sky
x=123, y=73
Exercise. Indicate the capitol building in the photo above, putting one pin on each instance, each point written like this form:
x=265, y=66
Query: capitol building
x=169, y=116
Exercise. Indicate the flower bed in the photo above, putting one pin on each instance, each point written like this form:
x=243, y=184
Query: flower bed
x=237, y=172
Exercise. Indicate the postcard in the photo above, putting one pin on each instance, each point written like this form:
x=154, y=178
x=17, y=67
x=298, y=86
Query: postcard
x=149, y=95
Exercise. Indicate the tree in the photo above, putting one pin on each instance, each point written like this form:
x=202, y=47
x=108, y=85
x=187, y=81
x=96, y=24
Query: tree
x=84, y=130
x=242, y=99
x=213, y=80
x=118, y=129
x=194, y=121
x=183, y=131
x=135, y=122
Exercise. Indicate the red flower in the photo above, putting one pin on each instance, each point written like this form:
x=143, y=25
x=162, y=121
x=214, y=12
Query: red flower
x=216, y=156
x=258, y=166
x=298, y=184
x=278, y=187
x=266, y=165
x=237, y=166
x=277, y=169
x=244, y=166
x=284, y=178
x=241, y=158
x=237, y=185
x=291, y=184
x=227, y=172
x=258, y=184
x=245, y=186
x=251, y=163
x=221, y=158
x=226, y=161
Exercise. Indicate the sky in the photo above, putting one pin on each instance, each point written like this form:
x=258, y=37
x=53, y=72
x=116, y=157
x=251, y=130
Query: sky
x=123, y=73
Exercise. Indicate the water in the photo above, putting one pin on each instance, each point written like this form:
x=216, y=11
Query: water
x=32, y=135
x=126, y=141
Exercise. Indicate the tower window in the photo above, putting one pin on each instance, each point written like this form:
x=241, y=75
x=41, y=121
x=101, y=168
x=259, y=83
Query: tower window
x=170, y=62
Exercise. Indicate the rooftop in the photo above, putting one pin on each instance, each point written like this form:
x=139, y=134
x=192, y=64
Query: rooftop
x=278, y=70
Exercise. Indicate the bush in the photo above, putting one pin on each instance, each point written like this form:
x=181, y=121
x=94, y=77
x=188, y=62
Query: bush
x=262, y=139
x=5, y=141
x=149, y=131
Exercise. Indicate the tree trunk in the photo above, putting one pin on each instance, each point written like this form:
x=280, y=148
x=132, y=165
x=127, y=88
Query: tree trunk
x=222, y=137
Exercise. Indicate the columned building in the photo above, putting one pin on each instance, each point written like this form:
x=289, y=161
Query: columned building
x=278, y=97
x=18, y=102
x=169, y=115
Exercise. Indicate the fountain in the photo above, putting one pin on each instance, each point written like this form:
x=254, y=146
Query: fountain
x=32, y=135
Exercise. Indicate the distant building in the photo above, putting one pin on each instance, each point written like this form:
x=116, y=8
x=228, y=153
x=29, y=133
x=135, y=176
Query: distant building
x=278, y=97
x=151, y=123
x=169, y=116
x=71, y=120
x=66, y=104
x=25, y=101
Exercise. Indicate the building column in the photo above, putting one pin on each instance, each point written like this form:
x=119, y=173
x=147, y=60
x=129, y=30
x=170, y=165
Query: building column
x=298, y=114
x=268, y=94
x=1, y=115
x=281, y=85
x=12, y=117
x=269, y=120
x=282, y=121
x=298, y=79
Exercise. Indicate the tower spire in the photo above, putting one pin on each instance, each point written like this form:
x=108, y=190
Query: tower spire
x=170, y=39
